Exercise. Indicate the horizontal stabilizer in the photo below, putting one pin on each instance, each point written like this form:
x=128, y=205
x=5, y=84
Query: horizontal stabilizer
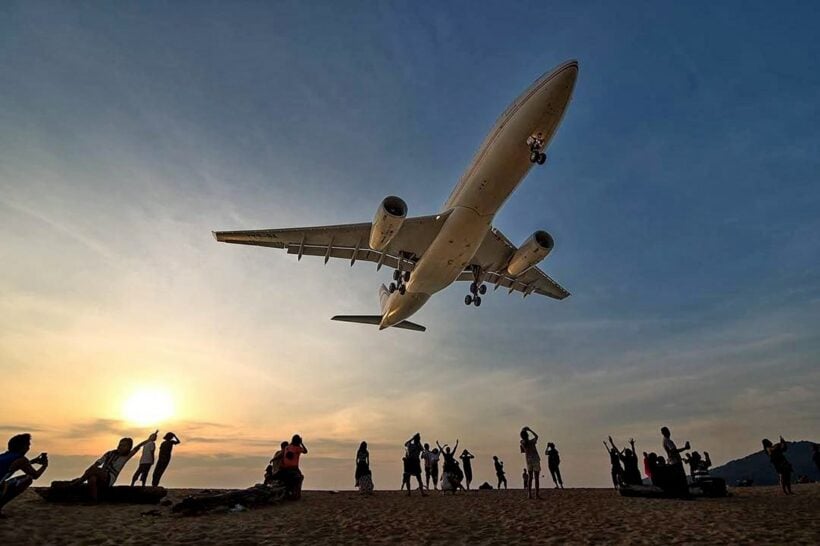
x=377, y=319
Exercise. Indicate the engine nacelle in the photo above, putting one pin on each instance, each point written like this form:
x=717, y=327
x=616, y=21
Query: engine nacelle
x=389, y=219
x=530, y=253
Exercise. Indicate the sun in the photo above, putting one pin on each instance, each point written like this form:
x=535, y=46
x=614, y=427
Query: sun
x=148, y=407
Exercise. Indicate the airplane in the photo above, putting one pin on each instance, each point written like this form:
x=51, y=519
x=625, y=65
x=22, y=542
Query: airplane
x=428, y=253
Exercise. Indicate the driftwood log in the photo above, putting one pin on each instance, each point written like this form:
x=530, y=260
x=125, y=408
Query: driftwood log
x=258, y=495
x=69, y=493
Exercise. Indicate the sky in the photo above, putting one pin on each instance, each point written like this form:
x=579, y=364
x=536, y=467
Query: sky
x=681, y=189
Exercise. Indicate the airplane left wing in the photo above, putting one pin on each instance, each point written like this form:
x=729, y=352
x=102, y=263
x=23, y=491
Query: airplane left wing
x=347, y=241
x=492, y=257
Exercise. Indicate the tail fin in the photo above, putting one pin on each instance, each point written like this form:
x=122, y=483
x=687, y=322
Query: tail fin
x=376, y=320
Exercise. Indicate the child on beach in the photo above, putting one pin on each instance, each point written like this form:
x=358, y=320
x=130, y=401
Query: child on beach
x=145, y=464
x=466, y=462
x=168, y=442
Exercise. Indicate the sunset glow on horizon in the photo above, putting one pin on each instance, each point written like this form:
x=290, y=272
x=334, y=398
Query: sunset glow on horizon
x=685, y=226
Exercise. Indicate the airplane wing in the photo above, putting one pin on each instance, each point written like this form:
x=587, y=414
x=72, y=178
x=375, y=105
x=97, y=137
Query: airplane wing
x=494, y=254
x=347, y=241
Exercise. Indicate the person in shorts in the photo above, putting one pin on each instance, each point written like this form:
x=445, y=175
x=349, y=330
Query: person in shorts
x=145, y=464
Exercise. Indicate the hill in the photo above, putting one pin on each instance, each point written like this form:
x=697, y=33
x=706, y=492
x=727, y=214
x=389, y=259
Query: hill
x=758, y=468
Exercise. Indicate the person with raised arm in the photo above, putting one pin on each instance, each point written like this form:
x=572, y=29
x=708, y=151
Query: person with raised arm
x=499, y=472
x=553, y=463
x=782, y=466
x=14, y=460
x=413, y=463
x=105, y=470
x=168, y=442
x=631, y=474
x=467, y=465
x=529, y=447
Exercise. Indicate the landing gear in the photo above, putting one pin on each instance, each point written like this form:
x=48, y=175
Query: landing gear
x=476, y=287
x=536, y=145
x=472, y=300
x=400, y=278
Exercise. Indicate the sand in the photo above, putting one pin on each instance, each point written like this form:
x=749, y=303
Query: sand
x=751, y=515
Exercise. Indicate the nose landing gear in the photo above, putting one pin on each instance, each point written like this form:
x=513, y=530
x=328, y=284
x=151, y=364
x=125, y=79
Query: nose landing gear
x=536, y=145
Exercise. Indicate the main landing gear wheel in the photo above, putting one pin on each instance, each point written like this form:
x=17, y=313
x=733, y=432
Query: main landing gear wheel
x=473, y=288
x=542, y=158
x=406, y=276
x=402, y=289
x=468, y=300
x=477, y=301
x=396, y=275
x=392, y=287
x=482, y=289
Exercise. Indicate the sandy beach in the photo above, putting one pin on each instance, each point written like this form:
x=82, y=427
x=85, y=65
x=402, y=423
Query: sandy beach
x=752, y=515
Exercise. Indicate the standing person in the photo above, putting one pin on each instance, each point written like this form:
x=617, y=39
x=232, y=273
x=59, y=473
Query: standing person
x=15, y=460
x=435, y=454
x=674, y=470
x=781, y=465
x=526, y=478
x=413, y=467
x=289, y=472
x=631, y=474
x=145, y=464
x=529, y=448
x=499, y=472
x=105, y=470
x=553, y=463
x=615, y=466
x=168, y=442
x=467, y=465
x=426, y=455
x=362, y=462
x=364, y=479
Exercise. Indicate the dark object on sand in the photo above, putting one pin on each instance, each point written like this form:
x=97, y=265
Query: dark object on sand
x=70, y=493
x=258, y=495
x=707, y=487
x=485, y=486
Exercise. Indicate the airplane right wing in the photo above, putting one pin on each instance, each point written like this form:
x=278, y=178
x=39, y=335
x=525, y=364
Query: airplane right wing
x=493, y=256
x=347, y=241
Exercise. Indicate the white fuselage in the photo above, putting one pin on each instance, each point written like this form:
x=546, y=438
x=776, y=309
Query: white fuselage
x=499, y=166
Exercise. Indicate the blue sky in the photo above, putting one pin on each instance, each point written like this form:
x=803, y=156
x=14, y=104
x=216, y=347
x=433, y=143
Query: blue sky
x=681, y=190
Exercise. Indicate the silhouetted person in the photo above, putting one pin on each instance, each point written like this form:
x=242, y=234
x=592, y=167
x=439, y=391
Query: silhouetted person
x=499, y=472
x=289, y=472
x=615, y=466
x=675, y=475
x=426, y=455
x=105, y=470
x=525, y=477
x=413, y=463
x=782, y=466
x=435, y=455
x=145, y=464
x=450, y=470
x=553, y=463
x=165, y=448
x=648, y=463
x=467, y=466
x=631, y=474
x=529, y=448
x=362, y=462
x=273, y=465
x=364, y=478
x=14, y=460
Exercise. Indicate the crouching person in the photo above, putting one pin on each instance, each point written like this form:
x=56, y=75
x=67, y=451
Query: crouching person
x=15, y=460
x=289, y=473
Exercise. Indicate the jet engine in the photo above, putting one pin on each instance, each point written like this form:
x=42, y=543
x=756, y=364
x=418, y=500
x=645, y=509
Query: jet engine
x=389, y=218
x=531, y=252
